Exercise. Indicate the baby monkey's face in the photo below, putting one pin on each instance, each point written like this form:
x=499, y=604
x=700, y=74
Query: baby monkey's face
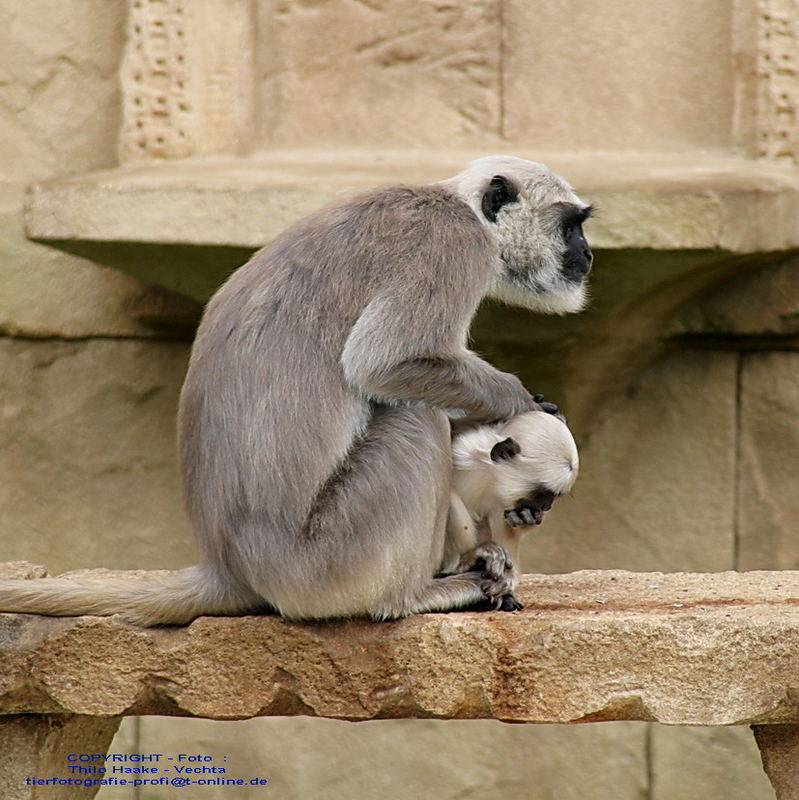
x=533, y=465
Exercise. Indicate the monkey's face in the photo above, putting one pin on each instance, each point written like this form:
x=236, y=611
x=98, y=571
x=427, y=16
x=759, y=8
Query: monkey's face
x=536, y=463
x=526, y=484
x=544, y=255
x=536, y=221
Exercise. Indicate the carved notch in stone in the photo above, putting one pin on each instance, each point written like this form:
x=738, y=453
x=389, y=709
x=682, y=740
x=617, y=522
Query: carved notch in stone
x=187, y=78
x=778, y=79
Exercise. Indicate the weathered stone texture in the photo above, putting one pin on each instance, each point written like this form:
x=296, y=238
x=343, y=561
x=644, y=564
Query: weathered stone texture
x=778, y=80
x=589, y=647
x=705, y=764
x=763, y=303
x=656, y=477
x=419, y=74
x=779, y=748
x=59, y=96
x=87, y=453
x=768, y=500
x=49, y=293
x=555, y=96
x=411, y=759
x=665, y=202
x=187, y=78
x=59, y=109
x=38, y=746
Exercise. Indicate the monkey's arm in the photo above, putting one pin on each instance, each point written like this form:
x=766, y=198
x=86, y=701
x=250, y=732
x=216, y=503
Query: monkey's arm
x=461, y=533
x=389, y=355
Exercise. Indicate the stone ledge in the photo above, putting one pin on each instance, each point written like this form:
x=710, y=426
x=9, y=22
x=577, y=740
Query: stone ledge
x=693, y=649
x=676, y=202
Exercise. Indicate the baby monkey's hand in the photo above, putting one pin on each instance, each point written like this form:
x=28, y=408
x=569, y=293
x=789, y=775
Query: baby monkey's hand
x=530, y=510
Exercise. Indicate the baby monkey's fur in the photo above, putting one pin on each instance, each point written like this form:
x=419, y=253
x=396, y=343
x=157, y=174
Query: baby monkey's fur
x=505, y=478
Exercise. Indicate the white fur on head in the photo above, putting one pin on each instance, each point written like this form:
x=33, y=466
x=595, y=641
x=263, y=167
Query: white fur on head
x=548, y=460
x=527, y=232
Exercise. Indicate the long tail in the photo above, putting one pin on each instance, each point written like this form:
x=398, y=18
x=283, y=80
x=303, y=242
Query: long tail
x=175, y=599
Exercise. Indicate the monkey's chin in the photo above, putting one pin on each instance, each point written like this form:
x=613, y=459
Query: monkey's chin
x=566, y=298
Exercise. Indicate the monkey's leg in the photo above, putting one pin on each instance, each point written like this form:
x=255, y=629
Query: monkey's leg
x=461, y=535
x=374, y=536
x=509, y=538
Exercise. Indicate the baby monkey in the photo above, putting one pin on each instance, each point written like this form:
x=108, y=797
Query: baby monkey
x=506, y=475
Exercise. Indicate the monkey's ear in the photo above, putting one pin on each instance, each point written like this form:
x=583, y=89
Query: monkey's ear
x=505, y=450
x=500, y=192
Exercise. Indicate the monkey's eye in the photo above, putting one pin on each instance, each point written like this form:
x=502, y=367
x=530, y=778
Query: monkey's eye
x=499, y=193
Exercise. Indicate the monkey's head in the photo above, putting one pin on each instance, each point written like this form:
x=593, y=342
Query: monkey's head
x=536, y=221
x=522, y=465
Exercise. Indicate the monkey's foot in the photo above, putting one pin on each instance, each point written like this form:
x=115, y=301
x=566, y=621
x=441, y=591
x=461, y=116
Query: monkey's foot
x=497, y=570
x=510, y=603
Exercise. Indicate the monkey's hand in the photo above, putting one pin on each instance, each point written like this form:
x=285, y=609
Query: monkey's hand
x=498, y=572
x=545, y=405
x=530, y=510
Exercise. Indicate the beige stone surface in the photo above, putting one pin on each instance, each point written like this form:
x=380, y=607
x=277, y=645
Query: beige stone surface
x=45, y=292
x=417, y=73
x=657, y=477
x=560, y=86
x=768, y=502
x=779, y=747
x=706, y=764
x=763, y=303
x=88, y=470
x=37, y=747
x=187, y=78
x=589, y=647
x=60, y=98
x=411, y=759
x=661, y=202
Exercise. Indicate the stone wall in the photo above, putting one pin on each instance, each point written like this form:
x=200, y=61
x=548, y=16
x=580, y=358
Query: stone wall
x=692, y=467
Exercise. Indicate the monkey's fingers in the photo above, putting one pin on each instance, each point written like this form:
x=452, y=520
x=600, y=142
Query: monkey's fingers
x=520, y=517
x=494, y=559
x=550, y=408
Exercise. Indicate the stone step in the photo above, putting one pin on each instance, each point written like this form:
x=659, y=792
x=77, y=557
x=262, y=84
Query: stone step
x=666, y=202
x=680, y=648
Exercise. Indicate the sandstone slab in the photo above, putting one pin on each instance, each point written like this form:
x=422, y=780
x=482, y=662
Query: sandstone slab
x=590, y=646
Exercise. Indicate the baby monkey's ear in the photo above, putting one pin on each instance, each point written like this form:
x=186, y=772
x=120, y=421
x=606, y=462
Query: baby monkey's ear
x=505, y=450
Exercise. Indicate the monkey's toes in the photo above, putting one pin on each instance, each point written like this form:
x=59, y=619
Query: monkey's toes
x=496, y=560
x=510, y=603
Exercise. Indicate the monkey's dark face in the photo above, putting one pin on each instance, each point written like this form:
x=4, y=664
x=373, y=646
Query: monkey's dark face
x=545, y=258
x=577, y=258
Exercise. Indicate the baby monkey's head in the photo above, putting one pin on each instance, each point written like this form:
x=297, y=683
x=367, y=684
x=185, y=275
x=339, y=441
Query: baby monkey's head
x=520, y=465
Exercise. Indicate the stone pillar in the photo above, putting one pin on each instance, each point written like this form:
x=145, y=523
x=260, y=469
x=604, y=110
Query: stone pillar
x=779, y=750
x=35, y=747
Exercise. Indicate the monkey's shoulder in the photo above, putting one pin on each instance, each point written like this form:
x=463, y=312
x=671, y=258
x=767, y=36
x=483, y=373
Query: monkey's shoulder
x=431, y=205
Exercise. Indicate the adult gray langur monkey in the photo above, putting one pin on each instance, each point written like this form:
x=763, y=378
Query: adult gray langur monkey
x=313, y=438
x=505, y=478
